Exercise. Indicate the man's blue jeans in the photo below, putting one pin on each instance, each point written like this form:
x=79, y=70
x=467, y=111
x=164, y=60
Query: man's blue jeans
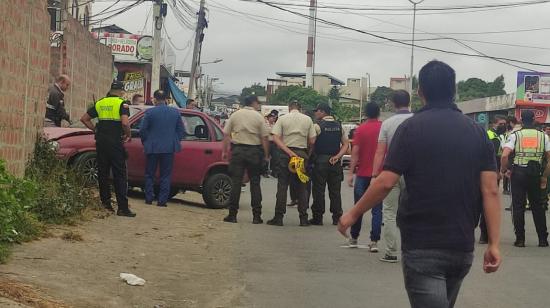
x=164, y=162
x=433, y=276
x=362, y=183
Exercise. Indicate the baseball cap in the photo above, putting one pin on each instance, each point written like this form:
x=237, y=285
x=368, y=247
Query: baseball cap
x=274, y=113
x=324, y=107
x=117, y=85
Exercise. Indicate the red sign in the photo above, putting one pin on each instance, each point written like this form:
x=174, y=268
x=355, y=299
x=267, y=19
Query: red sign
x=541, y=113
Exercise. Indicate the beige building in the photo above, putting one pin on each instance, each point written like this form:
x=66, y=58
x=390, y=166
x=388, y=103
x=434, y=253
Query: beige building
x=399, y=83
x=322, y=83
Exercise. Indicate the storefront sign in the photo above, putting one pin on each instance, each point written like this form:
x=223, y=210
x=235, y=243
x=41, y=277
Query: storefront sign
x=541, y=113
x=533, y=88
x=133, y=84
x=122, y=46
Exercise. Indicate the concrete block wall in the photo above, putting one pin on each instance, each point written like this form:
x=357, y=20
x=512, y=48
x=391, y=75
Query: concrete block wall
x=24, y=62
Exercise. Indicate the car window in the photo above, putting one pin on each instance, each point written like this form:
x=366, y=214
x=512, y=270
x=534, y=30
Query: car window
x=195, y=128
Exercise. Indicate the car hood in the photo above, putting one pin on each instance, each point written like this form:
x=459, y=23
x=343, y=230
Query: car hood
x=56, y=133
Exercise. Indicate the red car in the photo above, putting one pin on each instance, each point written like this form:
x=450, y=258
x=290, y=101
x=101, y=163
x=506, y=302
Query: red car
x=198, y=167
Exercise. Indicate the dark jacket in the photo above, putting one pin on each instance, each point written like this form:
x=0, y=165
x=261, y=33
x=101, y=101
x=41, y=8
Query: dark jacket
x=162, y=130
x=55, y=107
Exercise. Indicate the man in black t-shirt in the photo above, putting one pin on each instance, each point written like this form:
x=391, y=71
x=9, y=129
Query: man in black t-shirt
x=450, y=173
x=111, y=131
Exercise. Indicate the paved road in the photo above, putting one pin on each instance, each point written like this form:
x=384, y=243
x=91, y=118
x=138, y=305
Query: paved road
x=293, y=266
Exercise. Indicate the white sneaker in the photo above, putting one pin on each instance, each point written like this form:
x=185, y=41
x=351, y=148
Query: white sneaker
x=373, y=247
x=353, y=243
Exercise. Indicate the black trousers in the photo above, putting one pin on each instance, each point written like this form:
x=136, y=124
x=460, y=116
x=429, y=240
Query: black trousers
x=523, y=187
x=111, y=157
x=285, y=178
x=245, y=158
x=325, y=174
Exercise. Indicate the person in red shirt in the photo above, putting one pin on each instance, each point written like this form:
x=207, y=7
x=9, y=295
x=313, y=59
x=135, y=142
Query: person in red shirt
x=365, y=141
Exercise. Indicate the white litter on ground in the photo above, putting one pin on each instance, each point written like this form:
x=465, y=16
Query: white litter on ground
x=132, y=279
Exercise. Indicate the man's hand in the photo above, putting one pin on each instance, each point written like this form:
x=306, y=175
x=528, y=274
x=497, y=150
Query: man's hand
x=543, y=183
x=491, y=259
x=292, y=154
x=345, y=222
x=224, y=155
x=333, y=160
x=127, y=138
x=508, y=173
x=267, y=159
x=350, y=180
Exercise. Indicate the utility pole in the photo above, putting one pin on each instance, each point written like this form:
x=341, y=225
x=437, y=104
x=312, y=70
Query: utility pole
x=311, y=43
x=199, y=37
x=412, y=48
x=158, y=20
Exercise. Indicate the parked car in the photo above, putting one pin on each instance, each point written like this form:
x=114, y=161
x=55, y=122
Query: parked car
x=198, y=167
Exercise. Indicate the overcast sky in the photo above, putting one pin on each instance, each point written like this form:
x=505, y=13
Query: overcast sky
x=255, y=40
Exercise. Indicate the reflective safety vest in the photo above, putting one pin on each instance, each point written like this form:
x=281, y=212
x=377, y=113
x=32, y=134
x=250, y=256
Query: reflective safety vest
x=492, y=135
x=529, y=146
x=108, y=108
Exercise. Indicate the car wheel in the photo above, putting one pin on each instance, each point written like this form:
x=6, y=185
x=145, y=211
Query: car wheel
x=217, y=191
x=86, y=165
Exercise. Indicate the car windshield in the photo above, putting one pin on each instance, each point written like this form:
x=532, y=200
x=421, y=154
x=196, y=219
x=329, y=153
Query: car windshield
x=133, y=111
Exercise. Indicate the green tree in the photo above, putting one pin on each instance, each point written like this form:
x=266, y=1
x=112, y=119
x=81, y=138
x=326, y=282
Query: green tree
x=474, y=88
x=308, y=97
x=334, y=94
x=381, y=96
x=345, y=113
x=255, y=89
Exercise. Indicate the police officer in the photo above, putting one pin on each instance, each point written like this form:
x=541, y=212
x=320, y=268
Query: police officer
x=111, y=131
x=331, y=144
x=293, y=134
x=496, y=135
x=530, y=146
x=247, y=133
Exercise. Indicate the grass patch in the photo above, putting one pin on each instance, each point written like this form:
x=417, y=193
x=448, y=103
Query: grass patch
x=49, y=193
x=72, y=236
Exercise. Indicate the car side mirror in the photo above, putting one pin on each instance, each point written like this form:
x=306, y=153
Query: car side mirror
x=134, y=133
x=201, y=132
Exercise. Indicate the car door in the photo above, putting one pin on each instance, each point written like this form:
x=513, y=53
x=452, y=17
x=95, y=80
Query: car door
x=136, y=157
x=197, y=152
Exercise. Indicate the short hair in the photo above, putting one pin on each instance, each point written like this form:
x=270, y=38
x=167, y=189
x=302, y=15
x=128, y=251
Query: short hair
x=372, y=110
x=160, y=95
x=401, y=98
x=512, y=120
x=61, y=78
x=135, y=97
x=249, y=100
x=527, y=117
x=437, y=81
x=294, y=105
x=497, y=118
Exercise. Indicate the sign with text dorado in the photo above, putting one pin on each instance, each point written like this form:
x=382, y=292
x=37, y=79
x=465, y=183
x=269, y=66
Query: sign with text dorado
x=533, y=88
x=122, y=46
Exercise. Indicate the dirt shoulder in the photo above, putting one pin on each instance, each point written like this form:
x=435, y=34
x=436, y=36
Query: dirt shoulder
x=183, y=252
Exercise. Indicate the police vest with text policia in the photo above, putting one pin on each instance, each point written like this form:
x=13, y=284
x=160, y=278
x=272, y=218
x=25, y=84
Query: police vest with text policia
x=329, y=140
x=529, y=147
x=108, y=108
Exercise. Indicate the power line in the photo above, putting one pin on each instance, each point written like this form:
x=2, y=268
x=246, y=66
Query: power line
x=399, y=41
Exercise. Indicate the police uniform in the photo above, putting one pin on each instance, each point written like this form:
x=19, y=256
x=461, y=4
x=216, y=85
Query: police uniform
x=330, y=137
x=295, y=129
x=247, y=129
x=111, y=155
x=530, y=146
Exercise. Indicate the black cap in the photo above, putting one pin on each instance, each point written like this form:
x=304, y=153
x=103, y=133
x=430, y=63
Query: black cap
x=117, y=85
x=273, y=113
x=324, y=107
x=527, y=116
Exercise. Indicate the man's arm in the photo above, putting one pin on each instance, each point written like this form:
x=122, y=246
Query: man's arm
x=144, y=128
x=180, y=128
x=265, y=145
x=126, y=127
x=343, y=150
x=353, y=163
x=377, y=191
x=226, y=143
x=62, y=113
x=379, y=158
x=279, y=142
x=505, y=161
x=491, y=210
x=86, y=119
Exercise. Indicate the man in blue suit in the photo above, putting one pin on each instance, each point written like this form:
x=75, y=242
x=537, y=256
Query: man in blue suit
x=161, y=132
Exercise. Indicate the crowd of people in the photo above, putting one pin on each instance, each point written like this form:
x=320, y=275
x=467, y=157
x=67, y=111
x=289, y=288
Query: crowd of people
x=431, y=177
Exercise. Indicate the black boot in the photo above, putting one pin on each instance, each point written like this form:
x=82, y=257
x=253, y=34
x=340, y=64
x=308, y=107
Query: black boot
x=543, y=240
x=276, y=221
x=231, y=217
x=304, y=222
x=520, y=241
x=336, y=220
x=125, y=213
x=257, y=220
x=316, y=221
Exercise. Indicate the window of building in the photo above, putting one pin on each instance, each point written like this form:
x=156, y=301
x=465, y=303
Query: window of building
x=74, y=9
x=86, y=18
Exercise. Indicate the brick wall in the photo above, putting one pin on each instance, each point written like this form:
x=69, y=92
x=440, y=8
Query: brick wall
x=24, y=59
x=88, y=63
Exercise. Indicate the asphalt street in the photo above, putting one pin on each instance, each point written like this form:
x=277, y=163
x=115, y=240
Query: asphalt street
x=294, y=266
